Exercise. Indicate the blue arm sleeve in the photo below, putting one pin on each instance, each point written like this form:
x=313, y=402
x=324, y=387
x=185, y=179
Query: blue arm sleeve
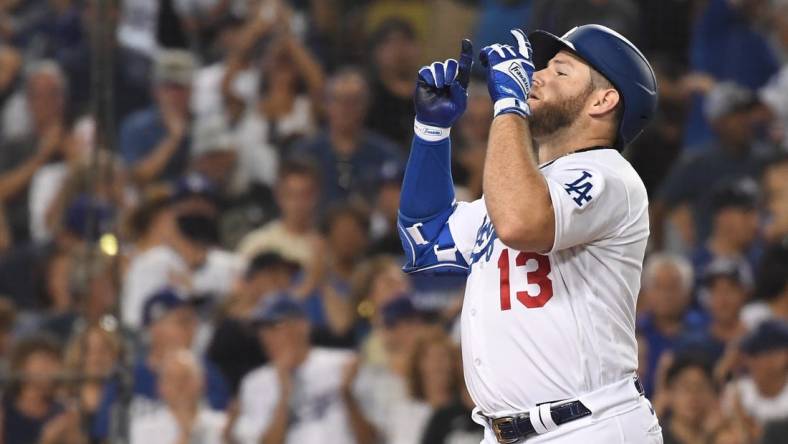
x=427, y=187
x=426, y=203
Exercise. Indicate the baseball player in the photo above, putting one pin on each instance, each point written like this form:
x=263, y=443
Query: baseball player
x=553, y=251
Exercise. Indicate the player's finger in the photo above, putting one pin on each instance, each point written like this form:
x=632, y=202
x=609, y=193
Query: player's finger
x=451, y=71
x=523, y=45
x=425, y=74
x=510, y=50
x=439, y=71
x=484, y=58
x=465, y=64
x=498, y=49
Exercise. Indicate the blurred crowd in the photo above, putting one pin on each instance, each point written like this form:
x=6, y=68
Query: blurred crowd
x=223, y=266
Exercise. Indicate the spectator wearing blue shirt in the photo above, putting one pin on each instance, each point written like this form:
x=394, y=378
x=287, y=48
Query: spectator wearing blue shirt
x=29, y=402
x=154, y=142
x=737, y=153
x=327, y=303
x=734, y=231
x=667, y=289
x=350, y=157
x=726, y=287
x=726, y=45
x=171, y=324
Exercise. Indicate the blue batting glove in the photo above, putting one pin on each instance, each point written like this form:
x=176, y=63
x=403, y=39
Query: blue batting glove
x=510, y=73
x=442, y=94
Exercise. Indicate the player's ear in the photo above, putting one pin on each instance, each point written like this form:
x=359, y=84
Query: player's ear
x=604, y=101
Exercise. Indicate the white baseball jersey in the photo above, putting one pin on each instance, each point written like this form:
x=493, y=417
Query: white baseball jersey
x=545, y=327
x=317, y=412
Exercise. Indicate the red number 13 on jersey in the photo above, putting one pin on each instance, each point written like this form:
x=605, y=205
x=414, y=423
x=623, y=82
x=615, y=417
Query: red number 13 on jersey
x=536, y=277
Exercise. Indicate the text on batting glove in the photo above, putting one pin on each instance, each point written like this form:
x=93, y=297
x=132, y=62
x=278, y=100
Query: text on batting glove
x=510, y=71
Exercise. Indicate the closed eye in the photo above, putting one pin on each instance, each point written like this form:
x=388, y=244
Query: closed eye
x=561, y=73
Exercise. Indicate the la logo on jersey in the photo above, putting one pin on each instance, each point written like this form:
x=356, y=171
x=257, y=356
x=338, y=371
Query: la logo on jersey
x=579, y=189
x=483, y=247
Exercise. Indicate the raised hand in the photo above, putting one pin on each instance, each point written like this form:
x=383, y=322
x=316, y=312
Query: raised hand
x=510, y=71
x=442, y=89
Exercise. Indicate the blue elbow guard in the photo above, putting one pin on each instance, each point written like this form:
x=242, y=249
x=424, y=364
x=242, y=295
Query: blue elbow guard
x=429, y=245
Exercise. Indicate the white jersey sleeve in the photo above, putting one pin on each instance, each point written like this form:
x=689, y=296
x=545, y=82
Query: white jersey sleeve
x=587, y=202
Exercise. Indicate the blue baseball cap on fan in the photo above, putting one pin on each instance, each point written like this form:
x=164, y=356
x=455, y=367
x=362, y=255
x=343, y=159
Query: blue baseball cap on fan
x=161, y=303
x=399, y=309
x=194, y=185
x=277, y=308
x=768, y=336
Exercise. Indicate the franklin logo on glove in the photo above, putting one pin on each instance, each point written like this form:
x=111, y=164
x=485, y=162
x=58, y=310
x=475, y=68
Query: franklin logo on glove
x=518, y=75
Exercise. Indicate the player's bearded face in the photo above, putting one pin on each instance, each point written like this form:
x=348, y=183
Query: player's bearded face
x=556, y=113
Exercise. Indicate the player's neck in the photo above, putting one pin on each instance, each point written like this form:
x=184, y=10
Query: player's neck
x=566, y=141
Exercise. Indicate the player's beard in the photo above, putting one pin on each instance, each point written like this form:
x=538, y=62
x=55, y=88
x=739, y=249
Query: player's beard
x=551, y=117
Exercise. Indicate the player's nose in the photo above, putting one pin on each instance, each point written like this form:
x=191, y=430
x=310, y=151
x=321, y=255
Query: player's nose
x=538, y=78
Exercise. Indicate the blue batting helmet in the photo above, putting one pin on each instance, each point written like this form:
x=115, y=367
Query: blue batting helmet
x=618, y=60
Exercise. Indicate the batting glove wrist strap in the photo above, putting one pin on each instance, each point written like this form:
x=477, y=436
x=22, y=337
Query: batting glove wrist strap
x=510, y=105
x=429, y=133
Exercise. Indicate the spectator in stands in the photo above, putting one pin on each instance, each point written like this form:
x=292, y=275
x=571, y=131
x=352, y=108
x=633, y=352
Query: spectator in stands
x=45, y=92
x=154, y=143
x=727, y=45
x=300, y=396
x=436, y=379
x=130, y=70
x=691, y=398
x=92, y=356
x=325, y=286
x=762, y=394
x=395, y=51
x=734, y=226
x=171, y=323
x=771, y=288
x=667, y=290
x=383, y=378
x=383, y=219
x=288, y=104
x=85, y=220
x=376, y=282
x=188, y=258
x=183, y=418
x=294, y=233
x=349, y=155
x=734, y=155
x=725, y=288
x=214, y=152
x=234, y=346
x=30, y=403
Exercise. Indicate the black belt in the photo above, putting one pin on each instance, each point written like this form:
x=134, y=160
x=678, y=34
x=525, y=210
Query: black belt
x=512, y=429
